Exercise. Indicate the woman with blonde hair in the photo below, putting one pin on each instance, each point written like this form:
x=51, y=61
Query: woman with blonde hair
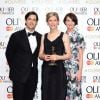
x=54, y=50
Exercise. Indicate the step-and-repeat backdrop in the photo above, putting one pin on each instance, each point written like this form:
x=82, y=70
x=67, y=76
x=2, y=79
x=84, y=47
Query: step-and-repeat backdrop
x=88, y=12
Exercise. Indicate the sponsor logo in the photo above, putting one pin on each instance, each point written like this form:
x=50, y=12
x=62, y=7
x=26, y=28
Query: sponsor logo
x=92, y=70
x=96, y=79
x=9, y=92
x=96, y=45
x=77, y=10
x=14, y=1
x=9, y=28
x=2, y=45
x=4, y=79
x=13, y=24
x=96, y=11
x=6, y=10
x=93, y=24
x=12, y=21
x=93, y=92
x=93, y=58
x=59, y=9
x=24, y=10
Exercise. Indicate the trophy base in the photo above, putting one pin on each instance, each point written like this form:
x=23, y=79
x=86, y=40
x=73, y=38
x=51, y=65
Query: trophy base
x=52, y=64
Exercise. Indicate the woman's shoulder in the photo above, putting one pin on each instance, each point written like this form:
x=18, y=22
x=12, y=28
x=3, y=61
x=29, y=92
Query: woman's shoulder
x=65, y=36
x=44, y=35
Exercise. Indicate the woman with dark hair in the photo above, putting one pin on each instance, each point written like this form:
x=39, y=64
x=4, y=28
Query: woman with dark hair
x=75, y=64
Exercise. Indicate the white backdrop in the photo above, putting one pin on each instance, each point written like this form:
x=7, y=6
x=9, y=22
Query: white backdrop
x=88, y=12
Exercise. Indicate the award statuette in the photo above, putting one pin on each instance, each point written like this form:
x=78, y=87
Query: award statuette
x=52, y=62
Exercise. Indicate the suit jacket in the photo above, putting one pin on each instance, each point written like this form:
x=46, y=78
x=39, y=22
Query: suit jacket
x=20, y=56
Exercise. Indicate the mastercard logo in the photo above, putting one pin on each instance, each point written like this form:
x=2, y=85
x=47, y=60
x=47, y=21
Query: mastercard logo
x=89, y=95
x=94, y=47
x=90, y=62
x=1, y=81
x=94, y=81
x=90, y=28
x=96, y=13
x=9, y=28
x=10, y=95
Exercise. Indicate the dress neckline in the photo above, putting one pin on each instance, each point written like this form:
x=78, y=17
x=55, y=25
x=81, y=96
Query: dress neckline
x=54, y=39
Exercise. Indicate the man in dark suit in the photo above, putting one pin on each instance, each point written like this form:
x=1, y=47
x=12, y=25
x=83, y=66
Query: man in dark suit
x=22, y=56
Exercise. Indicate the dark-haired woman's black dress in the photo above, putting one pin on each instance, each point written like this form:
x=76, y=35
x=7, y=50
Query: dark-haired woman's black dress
x=53, y=77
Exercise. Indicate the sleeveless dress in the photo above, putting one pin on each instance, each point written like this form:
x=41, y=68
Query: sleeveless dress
x=53, y=77
x=74, y=91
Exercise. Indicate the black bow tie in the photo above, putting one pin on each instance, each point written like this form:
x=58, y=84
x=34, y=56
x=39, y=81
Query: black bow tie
x=33, y=34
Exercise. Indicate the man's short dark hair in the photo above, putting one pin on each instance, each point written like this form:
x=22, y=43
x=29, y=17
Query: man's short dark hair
x=31, y=13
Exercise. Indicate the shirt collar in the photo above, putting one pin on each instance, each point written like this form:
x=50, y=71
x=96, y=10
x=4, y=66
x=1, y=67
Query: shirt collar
x=27, y=31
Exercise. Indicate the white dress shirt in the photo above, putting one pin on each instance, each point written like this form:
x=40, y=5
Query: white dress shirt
x=32, y=41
